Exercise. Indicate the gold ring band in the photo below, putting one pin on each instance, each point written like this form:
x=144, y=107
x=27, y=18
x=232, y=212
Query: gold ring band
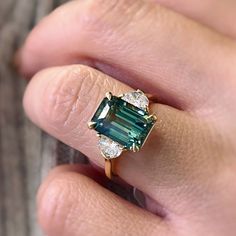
x=110, y=170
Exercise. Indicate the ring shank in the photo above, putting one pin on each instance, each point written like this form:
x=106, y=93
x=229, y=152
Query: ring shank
x=110, y=168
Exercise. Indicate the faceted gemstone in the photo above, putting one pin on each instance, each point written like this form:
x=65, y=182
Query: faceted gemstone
x=109, y=148
x=136, y=98
x=123, y=122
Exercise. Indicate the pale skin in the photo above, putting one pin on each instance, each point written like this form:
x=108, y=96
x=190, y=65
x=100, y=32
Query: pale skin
x=184, y=53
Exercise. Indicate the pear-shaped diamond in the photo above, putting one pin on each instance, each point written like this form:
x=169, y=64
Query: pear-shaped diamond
x=136, y=98
x=109, y=148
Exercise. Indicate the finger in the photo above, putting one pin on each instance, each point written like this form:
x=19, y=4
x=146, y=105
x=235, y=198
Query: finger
x=72, y=204
x=121, y=189
x=160, y=51
x=62, y=100
x=219, y=15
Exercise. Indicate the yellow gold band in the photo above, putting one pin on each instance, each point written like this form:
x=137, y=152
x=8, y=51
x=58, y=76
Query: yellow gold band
x=110, y=169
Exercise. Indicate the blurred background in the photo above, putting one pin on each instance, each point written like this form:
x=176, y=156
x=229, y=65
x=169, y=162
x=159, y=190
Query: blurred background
x=26, y=153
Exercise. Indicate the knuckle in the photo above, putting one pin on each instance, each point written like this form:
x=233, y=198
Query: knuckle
x=67, y=98
x=57, y=200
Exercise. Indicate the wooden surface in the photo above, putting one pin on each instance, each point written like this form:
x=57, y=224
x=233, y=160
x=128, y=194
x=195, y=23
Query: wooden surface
x=26, y=153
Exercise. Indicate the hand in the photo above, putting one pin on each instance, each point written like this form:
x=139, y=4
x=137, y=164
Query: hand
x=187, y=169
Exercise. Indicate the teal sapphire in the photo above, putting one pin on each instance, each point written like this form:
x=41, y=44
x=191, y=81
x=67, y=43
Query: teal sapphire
x=123, y=122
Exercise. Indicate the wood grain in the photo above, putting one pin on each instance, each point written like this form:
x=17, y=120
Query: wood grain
x=26, y=153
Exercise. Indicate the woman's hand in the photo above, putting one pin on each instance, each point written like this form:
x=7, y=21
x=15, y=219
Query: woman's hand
x=187, y=169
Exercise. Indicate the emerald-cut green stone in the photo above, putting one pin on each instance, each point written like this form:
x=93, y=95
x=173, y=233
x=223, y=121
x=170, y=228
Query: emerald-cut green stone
x=122, y=122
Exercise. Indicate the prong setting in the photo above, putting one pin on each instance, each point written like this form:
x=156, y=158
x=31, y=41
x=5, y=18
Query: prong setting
x=91, y=124
x=109, y=95
x=135, y=148
x=152, y=117
x=140, y=91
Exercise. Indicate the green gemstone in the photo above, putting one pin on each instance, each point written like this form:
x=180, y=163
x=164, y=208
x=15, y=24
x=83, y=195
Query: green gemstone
x=122, y=122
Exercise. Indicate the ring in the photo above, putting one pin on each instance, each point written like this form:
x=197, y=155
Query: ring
x=123, y=123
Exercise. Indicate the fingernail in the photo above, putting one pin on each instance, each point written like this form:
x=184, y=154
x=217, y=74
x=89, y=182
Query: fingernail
x=139, y=197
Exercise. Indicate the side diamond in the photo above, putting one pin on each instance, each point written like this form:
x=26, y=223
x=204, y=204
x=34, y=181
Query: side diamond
x=109, y=148
x=136, y=98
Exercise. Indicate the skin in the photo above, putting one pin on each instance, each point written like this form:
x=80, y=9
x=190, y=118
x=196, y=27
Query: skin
x=180, y=52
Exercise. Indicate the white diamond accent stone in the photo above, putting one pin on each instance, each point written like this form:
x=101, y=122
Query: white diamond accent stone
x=109, y=148
x=137, y=98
